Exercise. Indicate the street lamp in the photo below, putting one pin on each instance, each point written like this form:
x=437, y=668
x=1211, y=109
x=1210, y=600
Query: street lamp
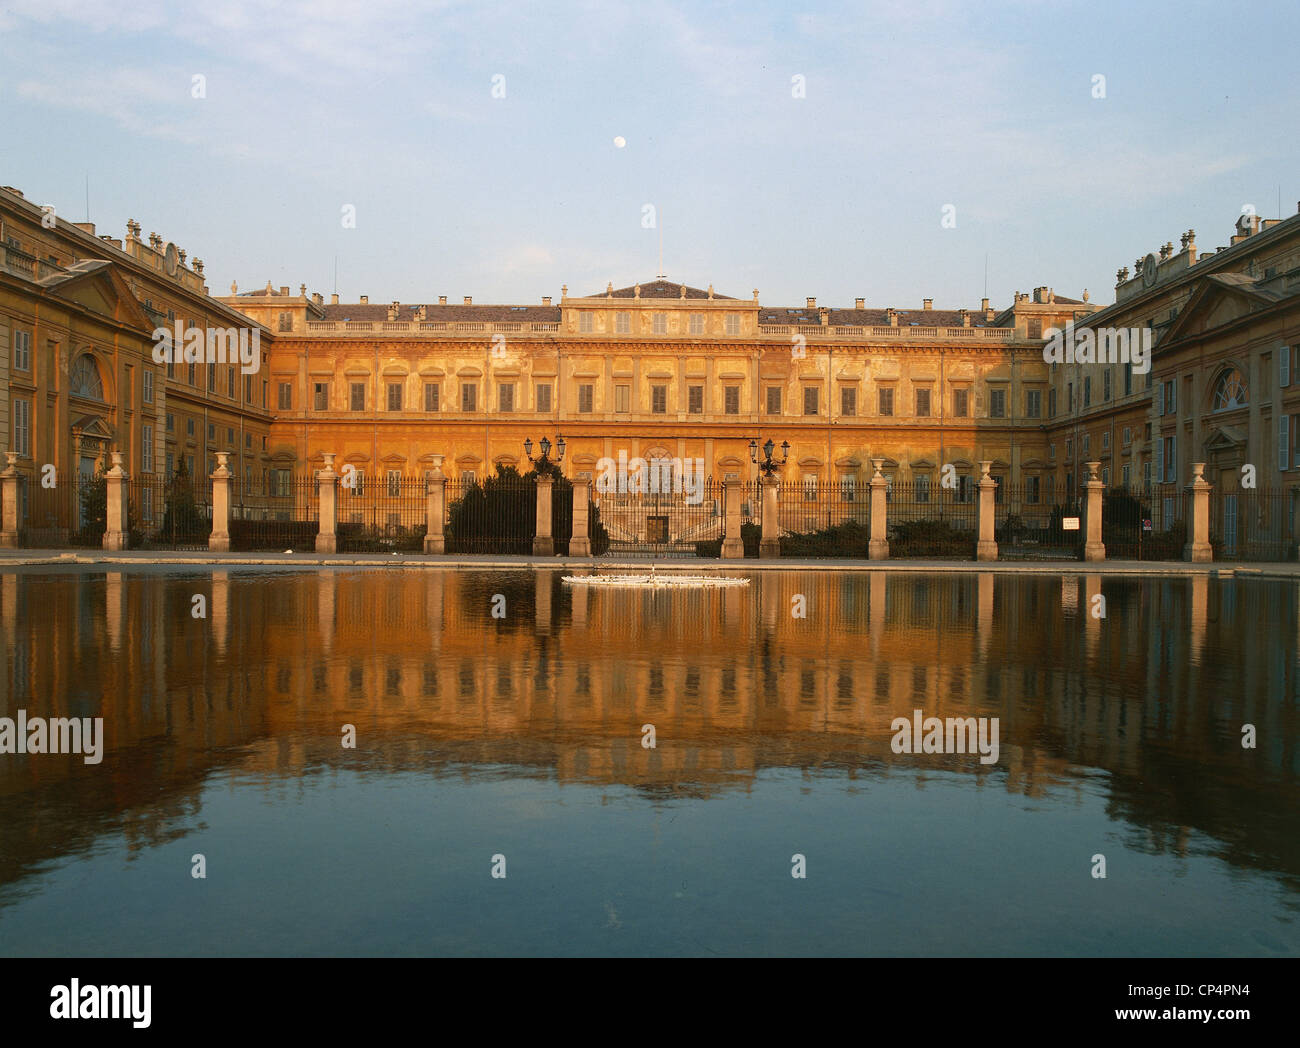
x=769, y=466
x=545, y=445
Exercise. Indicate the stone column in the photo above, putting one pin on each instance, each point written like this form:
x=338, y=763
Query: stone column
x=580, y=540
x=327, y=493
x=435, y=540
x=219, y=540
x=732, y=546
x=543, y=541
x=770, y=543
x=877, y=536
x=116, y=532
x=1092, y=545
x=987, y=547
x=9, y=503
x=1198, y=549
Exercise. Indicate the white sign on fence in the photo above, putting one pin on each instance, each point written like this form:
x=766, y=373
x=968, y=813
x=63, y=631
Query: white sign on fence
x=1069, y=523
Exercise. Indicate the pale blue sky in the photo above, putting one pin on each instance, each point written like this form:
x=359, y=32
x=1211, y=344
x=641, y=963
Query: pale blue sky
x=387, y=105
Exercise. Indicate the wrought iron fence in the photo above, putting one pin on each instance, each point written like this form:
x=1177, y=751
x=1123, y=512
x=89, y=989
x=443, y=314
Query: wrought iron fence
x=1028, y=527
x=1254, y=524
x=925, y=520
x=169, y=511
x=1144, y=525
x=822, y=520
x=384, y=514
x=496, y=515
x=281, y=512
x=59, y=511
x=664, y=523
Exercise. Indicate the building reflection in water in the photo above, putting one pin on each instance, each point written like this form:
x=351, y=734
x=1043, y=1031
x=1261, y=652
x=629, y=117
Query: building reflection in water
x=1149, y=700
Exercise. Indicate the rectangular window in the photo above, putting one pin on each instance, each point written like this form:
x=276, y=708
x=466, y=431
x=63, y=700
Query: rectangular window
x=1124, y=475
x=810, y=487
x=697, y=323
x=695, y=400
x=230, y=383
x=774, y=400
x=1031, y=490
x=285, y=395
x=1105, y=385
x=623, y=398
x=585, y=398
x=264, y=385
x=886, y=397
x=1128, y=379
x=658, y=399
x=230, y=436
x=848, y=401
x=733, y=323
x=1105, y=477
x=661, y=323
x=1069, y=396
x=1033, y=403
x=586, y=322
x=1051, y=402
x=923, y=487
x=1069, y=449
x=189, y=427
x=248, y=389
x=1086, y=443
x=731, y=400
x=394, y=478
x=394, y=396
x=506, y=397
x=922, y=403
x=432, y=395
x=997, y=403
x=212, y=378
x=1105, y=441
x=286, y=321
x=22, y=351
x=170, y=463
x=810, y=400
x=1169, y=445
x=1087, y=390
x=357, y=396
x=22, y=427
x=622, y=323
x=146, y=448
x=1171, y=398
x=960, y=402
x=543, y=396
x=320, y=392
x=147, y=376
x=848, y=487
x=469, y=396
x=1128, y=435
x=191, y=375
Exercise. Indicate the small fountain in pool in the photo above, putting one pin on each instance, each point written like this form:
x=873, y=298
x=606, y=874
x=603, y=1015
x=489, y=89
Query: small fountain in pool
x=653, y=581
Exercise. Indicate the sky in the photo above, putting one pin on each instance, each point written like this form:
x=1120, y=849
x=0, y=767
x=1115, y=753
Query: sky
x=886, y=151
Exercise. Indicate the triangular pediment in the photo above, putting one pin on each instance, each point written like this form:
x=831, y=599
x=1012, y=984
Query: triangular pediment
x=1226, y=437
x=1222, y=299
x=92, y=426
x=96, y=286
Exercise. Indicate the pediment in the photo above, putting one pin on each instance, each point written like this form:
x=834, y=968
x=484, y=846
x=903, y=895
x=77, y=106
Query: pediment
x=1223, y=299
x=96, y=286
x=92, y=426
x=1226, y=437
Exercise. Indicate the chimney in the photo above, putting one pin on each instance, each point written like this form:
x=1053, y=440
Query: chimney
x=824, y=316
x=302, y=290
x=469, y=301
x=365, y=300
x=984, y=304
x=546, y=300
x=927, y=303
x=892, y=315
x=421, y=313
x=442, y=300
x=965, y=317
x=334, y=299
x=285, y=291
x=859, y=303
x=318, y=298
x=86, y=227
x=812, y=303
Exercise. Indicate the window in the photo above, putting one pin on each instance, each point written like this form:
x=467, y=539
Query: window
x=848, y=400
x=965, y=488
x=146, y=448
x=286, y=321
x=586, y=322
x=1128, y=379
x=1085, y=445
x=733, y=323
x=22, y=426
x=1105, y=440
x=997, y=403
x=394, y=396
x=658, y=399
x=774, y=400
x=320, y=392
x=285, y=396
x=189, y=427
x=264, y=385
x=848, y=487
x=810, y=487
x=1051, y=402
x=1051, y=452
x=1031, y=490
x=622, y=323
x=697, y=323
x=1069, y=396
x=432, y=395
x=230, y=383
x=695, y=400
x=248, y=389
x=922, y=487
x=1124, y=476
x=886, y=398
x=1105, y=476
x=506, y=397
x=1168, y=448
x=960, y=402
x=84, y=380
x=469, y=396
x=1230, y=391
x=622, y=398
x=191, y=374
x=731, y=400
x=1087, y=390
x=810, y=400
x=1170, y=402
x=1105, y=385
x=585, y=398
x=1033, y=403
x=248, y=442
x=170, y=463
x=22, y=351
x=357, y=396
x=1128, y=435
x=230, y=436
x=922, y=403
x=1069, y=449
x=543, y=396
x=394, y=478
x=212, y=378
x=171, y=422
x=212, y=433
x=660, y=323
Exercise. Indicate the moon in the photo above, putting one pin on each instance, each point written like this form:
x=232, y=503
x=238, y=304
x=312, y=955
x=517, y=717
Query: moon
x=620, y=142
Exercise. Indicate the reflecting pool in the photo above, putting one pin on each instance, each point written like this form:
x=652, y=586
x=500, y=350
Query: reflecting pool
x=502, y=722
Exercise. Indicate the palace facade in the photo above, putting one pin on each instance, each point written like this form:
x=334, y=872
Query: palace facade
x=656, y=370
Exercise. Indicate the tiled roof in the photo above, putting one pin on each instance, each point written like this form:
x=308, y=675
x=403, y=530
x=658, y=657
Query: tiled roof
x=406, y=311
x=662, y=289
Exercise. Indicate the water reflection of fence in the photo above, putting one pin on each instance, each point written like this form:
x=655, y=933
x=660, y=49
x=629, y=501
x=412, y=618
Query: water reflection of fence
x=924, y=520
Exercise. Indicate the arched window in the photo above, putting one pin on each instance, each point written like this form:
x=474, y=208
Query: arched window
x=1230, y=391
x=85, y=380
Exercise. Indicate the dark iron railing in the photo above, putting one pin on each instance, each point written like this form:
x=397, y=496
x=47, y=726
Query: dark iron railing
x=930, y=520
x=280, y=513
x=1026, y=526
x=169, y=511
x=383, y=514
